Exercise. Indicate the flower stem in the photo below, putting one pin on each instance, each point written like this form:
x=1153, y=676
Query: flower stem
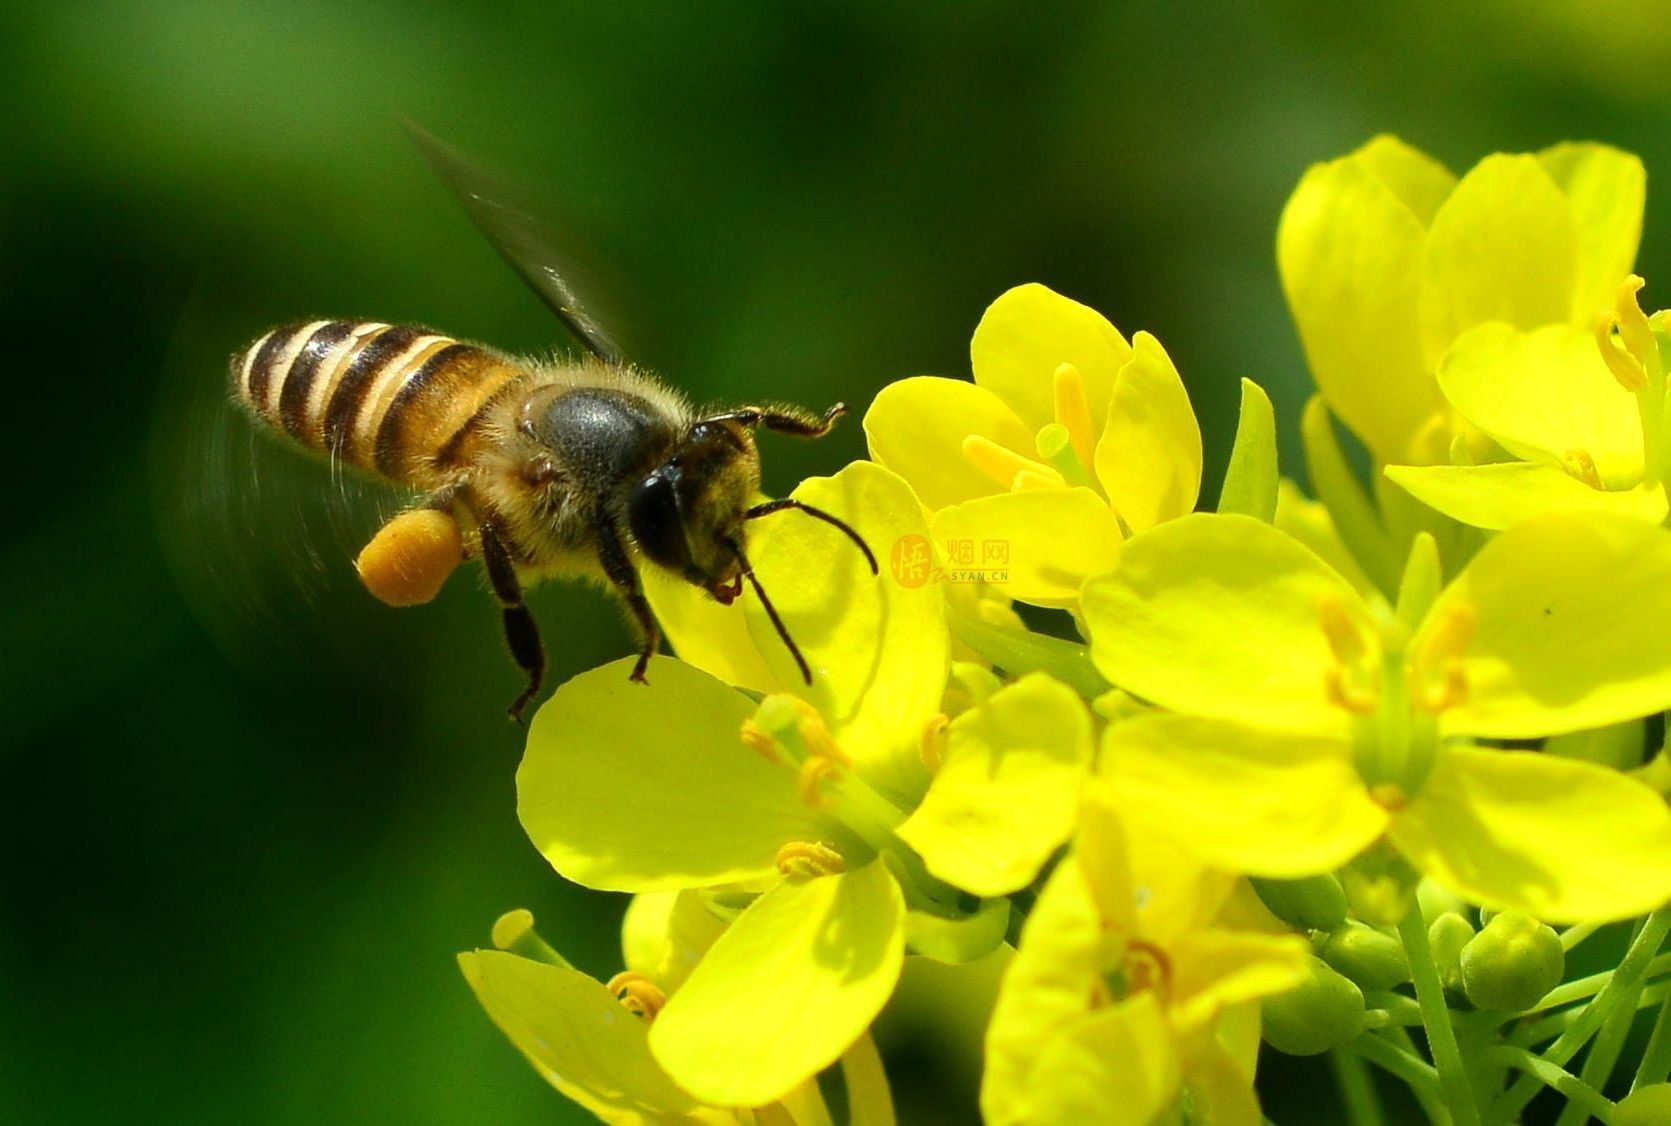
x=1357, y=1088
x=869, y=1101
x=1436, y=1019
x=1656, y=1057
x=1019, y=652
x=1625, y=981
x=1417, y=1074
x=1582, y=1099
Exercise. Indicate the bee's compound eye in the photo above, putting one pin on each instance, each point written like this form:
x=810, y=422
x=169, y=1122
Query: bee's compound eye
x=411, y=556
x=656, y=521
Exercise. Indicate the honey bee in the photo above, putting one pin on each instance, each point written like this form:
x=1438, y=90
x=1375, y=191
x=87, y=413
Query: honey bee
x=538, y=468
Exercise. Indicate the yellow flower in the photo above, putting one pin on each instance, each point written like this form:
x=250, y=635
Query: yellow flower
x=1313, y=723
x=1386, y=260
x=1067, y=440
x=1583, y=412
x=1116, y=999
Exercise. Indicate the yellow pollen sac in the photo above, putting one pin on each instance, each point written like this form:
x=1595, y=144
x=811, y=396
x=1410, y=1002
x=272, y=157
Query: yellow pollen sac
x=758, y=740
x=1389, y=796
x=1624, y=366
x=1001, y=463
x=1073, y=410
x=411, y=556
x=1348, y=684
x=1027, y=481
x=819, y=742
x=934, y=741
x=1439, y=679
x=1581, y=465
x=1634, y=329
x=638, y=994
x=1147, y=968
x=808, y=860
x=817, y=768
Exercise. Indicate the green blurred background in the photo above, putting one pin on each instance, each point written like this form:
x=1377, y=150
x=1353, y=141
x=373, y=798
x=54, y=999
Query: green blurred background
x=247, y=815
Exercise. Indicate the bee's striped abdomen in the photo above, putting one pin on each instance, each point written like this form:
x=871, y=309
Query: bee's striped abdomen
x=392, y=399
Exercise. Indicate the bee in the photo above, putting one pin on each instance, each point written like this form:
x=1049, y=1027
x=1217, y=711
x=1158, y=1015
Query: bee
x=583, y=467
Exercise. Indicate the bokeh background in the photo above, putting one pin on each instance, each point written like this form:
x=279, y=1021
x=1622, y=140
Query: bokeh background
x=247, y=815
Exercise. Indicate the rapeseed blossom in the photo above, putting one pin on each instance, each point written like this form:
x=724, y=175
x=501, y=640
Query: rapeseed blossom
x=1317, y=770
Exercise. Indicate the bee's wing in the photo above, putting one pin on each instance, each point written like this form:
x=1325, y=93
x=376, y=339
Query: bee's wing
x=260, y=535
x=527, y=240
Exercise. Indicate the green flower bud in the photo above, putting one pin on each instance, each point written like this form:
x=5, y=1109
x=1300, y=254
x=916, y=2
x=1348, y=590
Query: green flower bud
x=1512, y=963
x=1645, y=1106
x=1447, y=936
x=1324, y=1011
x=1373, y=959
x=1315, y=903
x=1435, y=899
x=1380, y=886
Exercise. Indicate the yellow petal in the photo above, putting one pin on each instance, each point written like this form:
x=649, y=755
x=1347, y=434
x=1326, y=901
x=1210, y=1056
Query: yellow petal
x=1143, y=881
x=1349, y=251
x=788, y=987
x=665, y=933
x=1504, y=247
x=1005, y=797
x=1031, y=331
x=1218, y=615
x=1545, y=394
x=1220, y=1090
x=1504, y=493
x=1214, y=969
x=644, y=787
x=1605, y=188
x=916, y=428
x=1117, y=1066
x=1265, y=803
x=577, y=1036
x=1149, y=457
x=1420, y=182
x=1054, y=539
x=1047, y=986
x=1571, y=615
x=1564, y=841
x=877, y=645
x=703, y=633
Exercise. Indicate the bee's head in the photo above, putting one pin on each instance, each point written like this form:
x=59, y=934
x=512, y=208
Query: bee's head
x=687, y=514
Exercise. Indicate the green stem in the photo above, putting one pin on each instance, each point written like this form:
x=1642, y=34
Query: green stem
x=1415, y=1073
x=1400, y=1009
x=1572, y=936
x=1553, y=1025
x=1656, y=1057
x=1633, y=968
x=1357, y=1089
x=1582, y=1099
x=1019, y=651
x=1582, y=987
x=1604, y=1053
x=1436, y=1020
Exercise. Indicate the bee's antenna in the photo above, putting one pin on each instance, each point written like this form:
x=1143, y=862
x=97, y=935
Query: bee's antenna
x=772, y=506
x=771, y=611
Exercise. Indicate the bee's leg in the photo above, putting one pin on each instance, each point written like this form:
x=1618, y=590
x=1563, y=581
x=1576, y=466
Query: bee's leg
x=619, y=570
x=785, y=420
x=521, y=634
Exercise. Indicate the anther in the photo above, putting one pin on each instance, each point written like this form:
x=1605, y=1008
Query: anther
x=1146, y=966
x=1027, y=481
x=1634, y=329
x=1389, y=796
x=1000, y=462
x=1440, y=679
x=638, y=994
x=933, y=741
x=814, y=771
x=758, y=740
x=1581, y=465
x=1626, y=368
x=1344, y=638
x=1073, y=409
x=1356, y=698
x=808, y=860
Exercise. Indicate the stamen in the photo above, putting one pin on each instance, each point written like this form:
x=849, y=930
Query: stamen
x=1073, y=410
x=1344, y=638
x=638, y=994
x=1634, y=329
x=1389, y=796
x=1439, y=676
x=1028, y=480
x=1581, y=465
x=1000, y=462
x=933, y=741
x=808, y=860
x=756, y=739
x=808, y=786
x=1146, y=966
x=1359, y=699
x=1626, y=368
x=820, y=743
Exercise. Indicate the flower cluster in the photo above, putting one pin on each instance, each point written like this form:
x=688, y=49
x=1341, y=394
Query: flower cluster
x=1318, y=772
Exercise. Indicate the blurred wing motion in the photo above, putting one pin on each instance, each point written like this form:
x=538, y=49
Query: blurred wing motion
x=260, y=537
x=529, y=243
